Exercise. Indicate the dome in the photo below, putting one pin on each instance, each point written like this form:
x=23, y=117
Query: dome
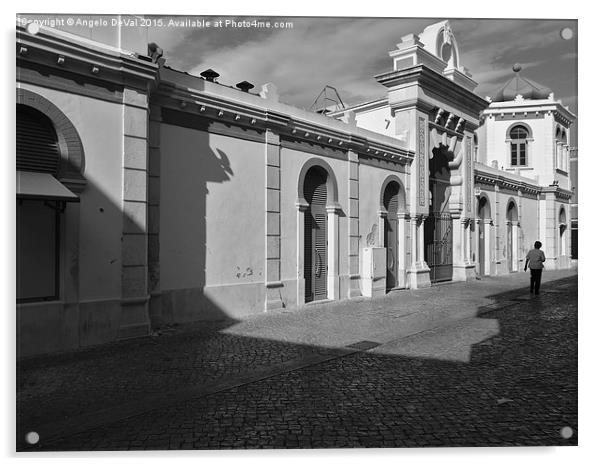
x=518, y=85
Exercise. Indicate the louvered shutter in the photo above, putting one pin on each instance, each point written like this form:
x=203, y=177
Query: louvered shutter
x=37, y=143
x=320, y=256
x=391, y=204
x=315, y=253
x=391, y=199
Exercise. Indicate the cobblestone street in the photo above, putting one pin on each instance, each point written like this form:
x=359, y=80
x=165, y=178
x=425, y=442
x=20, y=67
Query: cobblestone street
x=478, y=364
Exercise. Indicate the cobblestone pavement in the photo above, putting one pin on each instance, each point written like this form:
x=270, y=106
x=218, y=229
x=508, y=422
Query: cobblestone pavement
x=455, y=365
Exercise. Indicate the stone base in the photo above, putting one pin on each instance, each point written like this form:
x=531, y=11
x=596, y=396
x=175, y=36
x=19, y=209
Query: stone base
x=273, y=296
x=133, y=331
x=354, y=286
x=372, y=288
x=154, y=310
x=419, y=278
x=333, y=283
x=552, y=263
x=464, y=273
x=135, y=319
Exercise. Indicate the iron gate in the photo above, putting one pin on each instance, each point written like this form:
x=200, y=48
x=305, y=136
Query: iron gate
x=438, y=245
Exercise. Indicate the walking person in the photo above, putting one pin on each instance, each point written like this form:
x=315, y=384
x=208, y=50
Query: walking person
x=535, y=260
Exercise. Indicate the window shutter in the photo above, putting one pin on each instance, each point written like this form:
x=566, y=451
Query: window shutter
x=391, y=200
x=37, y=143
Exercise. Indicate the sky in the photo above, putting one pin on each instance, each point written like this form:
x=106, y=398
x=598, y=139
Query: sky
x=346, y=53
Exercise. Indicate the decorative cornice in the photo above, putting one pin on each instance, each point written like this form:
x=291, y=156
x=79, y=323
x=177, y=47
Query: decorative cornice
x=239, y=113
x=559, y=193
x=64, y=51
x=492, y=179
x=439, y=85
x=531, y=109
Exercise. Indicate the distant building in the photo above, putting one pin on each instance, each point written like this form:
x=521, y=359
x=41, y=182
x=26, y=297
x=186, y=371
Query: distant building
x=148, y=196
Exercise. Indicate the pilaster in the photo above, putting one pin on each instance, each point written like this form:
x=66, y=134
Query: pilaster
x=418, y=274
x=135, y=320
x=333, y=279
x=353, y=215
x=154, y=210
x=273, y=282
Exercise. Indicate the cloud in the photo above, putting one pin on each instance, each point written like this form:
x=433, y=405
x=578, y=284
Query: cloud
x=347, y=52
x=342, y=53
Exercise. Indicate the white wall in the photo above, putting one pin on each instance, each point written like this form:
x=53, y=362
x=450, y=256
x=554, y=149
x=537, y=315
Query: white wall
x=212, y=227
x=378, y=120
x=100, y=126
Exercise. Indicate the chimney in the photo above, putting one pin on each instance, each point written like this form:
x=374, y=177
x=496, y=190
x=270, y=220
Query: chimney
x=210, y=75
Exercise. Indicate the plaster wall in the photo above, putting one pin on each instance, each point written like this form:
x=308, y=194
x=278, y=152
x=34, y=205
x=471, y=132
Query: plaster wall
x=211, y=225
x=291, y=162
x=88, y=309
x=378, y=120
x=528, y=230
x=540, y=155
x=100, y=127
x=371, y=187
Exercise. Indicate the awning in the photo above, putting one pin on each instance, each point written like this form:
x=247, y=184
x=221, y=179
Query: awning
x=34, y=185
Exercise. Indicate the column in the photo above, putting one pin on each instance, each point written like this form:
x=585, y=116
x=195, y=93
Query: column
x=414, y=236
x=463, y=267
x=479, y=226
x=273, y=282
x=467, y=244
x=487, y=245
x=353, y=234
x=418, y=273
x=333, y=252
x=420, y=242
x=458, y=247
x=302, y=206
x=382, y=214
x=496, y=231
x=515, y=257
x=401, y=244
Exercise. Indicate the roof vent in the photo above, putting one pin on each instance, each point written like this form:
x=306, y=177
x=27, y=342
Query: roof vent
x=245, y=86
x=210, y=75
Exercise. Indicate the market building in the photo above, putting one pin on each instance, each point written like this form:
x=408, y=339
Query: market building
x=148, y=196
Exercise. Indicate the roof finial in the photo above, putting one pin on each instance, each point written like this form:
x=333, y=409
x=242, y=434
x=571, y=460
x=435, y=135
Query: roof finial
x=517, y=67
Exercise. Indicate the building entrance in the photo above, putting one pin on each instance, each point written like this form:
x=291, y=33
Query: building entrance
x=315, y=248
x=438, y=233
x=391, y=204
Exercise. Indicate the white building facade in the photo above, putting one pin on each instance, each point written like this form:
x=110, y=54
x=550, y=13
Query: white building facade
x=171, y=198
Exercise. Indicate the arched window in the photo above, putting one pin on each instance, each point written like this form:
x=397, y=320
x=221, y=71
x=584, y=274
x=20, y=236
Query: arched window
x=37, y=142
x=49, y=162
x=518, y=146
x=37, y=219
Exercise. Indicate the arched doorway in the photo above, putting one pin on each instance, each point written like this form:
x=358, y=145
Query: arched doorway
x=512, y=236
x=391, y=201
x=315, y=233
x=484, y=220
x=438, y=233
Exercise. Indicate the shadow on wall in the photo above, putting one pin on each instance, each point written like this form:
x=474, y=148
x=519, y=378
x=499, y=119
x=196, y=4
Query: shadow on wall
x=99, y=258
x=464, y=384
x=188, y=165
